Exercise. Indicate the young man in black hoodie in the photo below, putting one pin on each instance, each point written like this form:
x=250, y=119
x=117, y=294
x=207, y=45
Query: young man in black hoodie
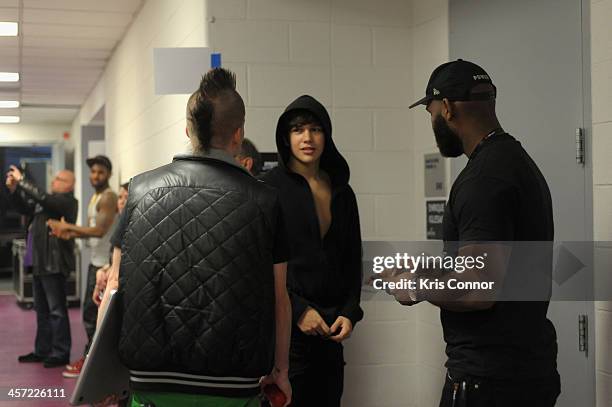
x=324, y=272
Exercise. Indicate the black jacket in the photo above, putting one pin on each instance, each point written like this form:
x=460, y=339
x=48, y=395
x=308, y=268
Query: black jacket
x=50, y=254
x=325, y=274
x=197, y=279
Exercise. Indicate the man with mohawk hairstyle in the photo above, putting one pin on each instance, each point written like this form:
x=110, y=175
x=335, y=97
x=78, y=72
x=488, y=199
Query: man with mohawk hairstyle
x=203, y=269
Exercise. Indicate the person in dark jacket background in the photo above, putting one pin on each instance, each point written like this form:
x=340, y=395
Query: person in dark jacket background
x=324, y=271
x=52, y=260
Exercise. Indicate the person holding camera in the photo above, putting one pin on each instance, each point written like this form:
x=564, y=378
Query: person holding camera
x=52, y=259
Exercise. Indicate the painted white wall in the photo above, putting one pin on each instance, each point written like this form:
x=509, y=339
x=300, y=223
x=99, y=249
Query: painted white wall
x=601, y=88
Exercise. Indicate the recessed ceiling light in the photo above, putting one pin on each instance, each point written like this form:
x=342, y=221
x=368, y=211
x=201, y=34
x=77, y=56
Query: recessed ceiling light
x=9, y=77
x=9, y=104
x=9, y=119
x=8, y=29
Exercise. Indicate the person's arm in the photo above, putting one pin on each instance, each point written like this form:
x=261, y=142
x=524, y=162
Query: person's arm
x=111, y=284
x=280, y=372
x=497, y=259
x=350, y=312
x=56, y=203
x=107, y=210
x=101, y=280
x=484, y=213
x=21, y=204
x=17, y=198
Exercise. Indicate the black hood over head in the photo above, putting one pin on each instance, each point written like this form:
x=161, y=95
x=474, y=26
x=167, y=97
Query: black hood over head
x=332, y=162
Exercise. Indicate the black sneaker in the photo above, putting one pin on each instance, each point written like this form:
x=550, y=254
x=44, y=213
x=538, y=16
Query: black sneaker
x=30, y=358
x=55, y=362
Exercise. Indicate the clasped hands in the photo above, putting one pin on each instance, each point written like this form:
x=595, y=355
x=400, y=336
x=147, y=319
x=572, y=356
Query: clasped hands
x=311, y=323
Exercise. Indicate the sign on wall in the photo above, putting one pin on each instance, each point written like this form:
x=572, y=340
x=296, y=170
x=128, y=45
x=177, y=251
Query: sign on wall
x=435, y=214
x=435, y=175
x=179, y=70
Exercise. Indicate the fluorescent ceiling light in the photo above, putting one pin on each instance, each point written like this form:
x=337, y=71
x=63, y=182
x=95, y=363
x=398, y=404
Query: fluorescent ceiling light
x=9, y=119
x=8, y=29
x=9, y=104
x=9, y=77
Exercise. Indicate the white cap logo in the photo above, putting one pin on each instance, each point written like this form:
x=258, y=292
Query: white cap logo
x=436, y=92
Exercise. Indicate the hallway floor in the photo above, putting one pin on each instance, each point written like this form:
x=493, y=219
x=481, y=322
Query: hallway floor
x=17, y=337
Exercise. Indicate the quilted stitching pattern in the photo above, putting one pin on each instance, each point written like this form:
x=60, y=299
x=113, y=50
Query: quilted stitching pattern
x=198, y=283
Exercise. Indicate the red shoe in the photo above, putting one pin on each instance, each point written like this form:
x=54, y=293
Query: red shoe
x=74, y=369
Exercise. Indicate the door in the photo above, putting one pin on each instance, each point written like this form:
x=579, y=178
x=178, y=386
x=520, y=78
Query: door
x=534, y=52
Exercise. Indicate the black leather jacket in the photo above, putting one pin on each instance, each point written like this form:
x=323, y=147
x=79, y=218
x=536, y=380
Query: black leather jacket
x=50, y=254
x=197, y=279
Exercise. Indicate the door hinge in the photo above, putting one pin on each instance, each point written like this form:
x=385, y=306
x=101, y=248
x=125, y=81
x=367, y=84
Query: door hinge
x=583, y=334
x=580, y=146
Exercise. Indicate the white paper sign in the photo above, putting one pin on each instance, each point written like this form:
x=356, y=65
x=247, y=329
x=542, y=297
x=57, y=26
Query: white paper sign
x=179, y=70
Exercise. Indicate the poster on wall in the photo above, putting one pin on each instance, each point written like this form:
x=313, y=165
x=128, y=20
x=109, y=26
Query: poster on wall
x=435, y=214
x=435, y=175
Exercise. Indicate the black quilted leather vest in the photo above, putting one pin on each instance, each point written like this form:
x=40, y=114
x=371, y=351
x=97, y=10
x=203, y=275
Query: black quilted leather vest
x=197, y=271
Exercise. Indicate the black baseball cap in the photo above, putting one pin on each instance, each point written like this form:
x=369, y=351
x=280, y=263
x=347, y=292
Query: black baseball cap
x=101, y=160
x=454, y=81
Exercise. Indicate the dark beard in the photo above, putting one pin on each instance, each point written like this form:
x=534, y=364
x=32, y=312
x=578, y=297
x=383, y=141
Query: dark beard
x=448, y=142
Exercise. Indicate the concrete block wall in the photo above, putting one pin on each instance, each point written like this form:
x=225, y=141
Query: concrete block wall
x=366, y=62
x=353, y=56
x=430, y=49
x=601, y=93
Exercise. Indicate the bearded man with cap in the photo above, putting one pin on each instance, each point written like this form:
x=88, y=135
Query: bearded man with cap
x=101, y=213
x=501, y=351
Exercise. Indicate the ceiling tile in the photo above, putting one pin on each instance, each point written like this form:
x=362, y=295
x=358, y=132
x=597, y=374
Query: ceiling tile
x=52, y=62
x=47, y=115
x=78, y=43
x=65, y=52
x=9, y=14
x=101, y=19
x=70, y=31
x=65, y=46
x=126, y=6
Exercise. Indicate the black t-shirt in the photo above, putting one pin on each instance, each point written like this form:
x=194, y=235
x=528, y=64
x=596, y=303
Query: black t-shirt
x=281, y=247
x=500, y=196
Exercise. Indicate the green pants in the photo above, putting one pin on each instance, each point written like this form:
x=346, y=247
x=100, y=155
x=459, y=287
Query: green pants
x=139, y=399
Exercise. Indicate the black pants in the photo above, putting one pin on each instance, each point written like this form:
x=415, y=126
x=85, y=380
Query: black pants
x=52, y=324
x=469, y=391
x=90, y=309
x=316, y=371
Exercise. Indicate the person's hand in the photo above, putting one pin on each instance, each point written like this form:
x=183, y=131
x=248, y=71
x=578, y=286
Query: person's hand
x=403, y=296
x=101, y=280
x=108, y=401
x=344, y=325
x=11, y=183
x=281, y=379
x=59, y=228
x=311, y=323
x=386, y=273
x=16, y=173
